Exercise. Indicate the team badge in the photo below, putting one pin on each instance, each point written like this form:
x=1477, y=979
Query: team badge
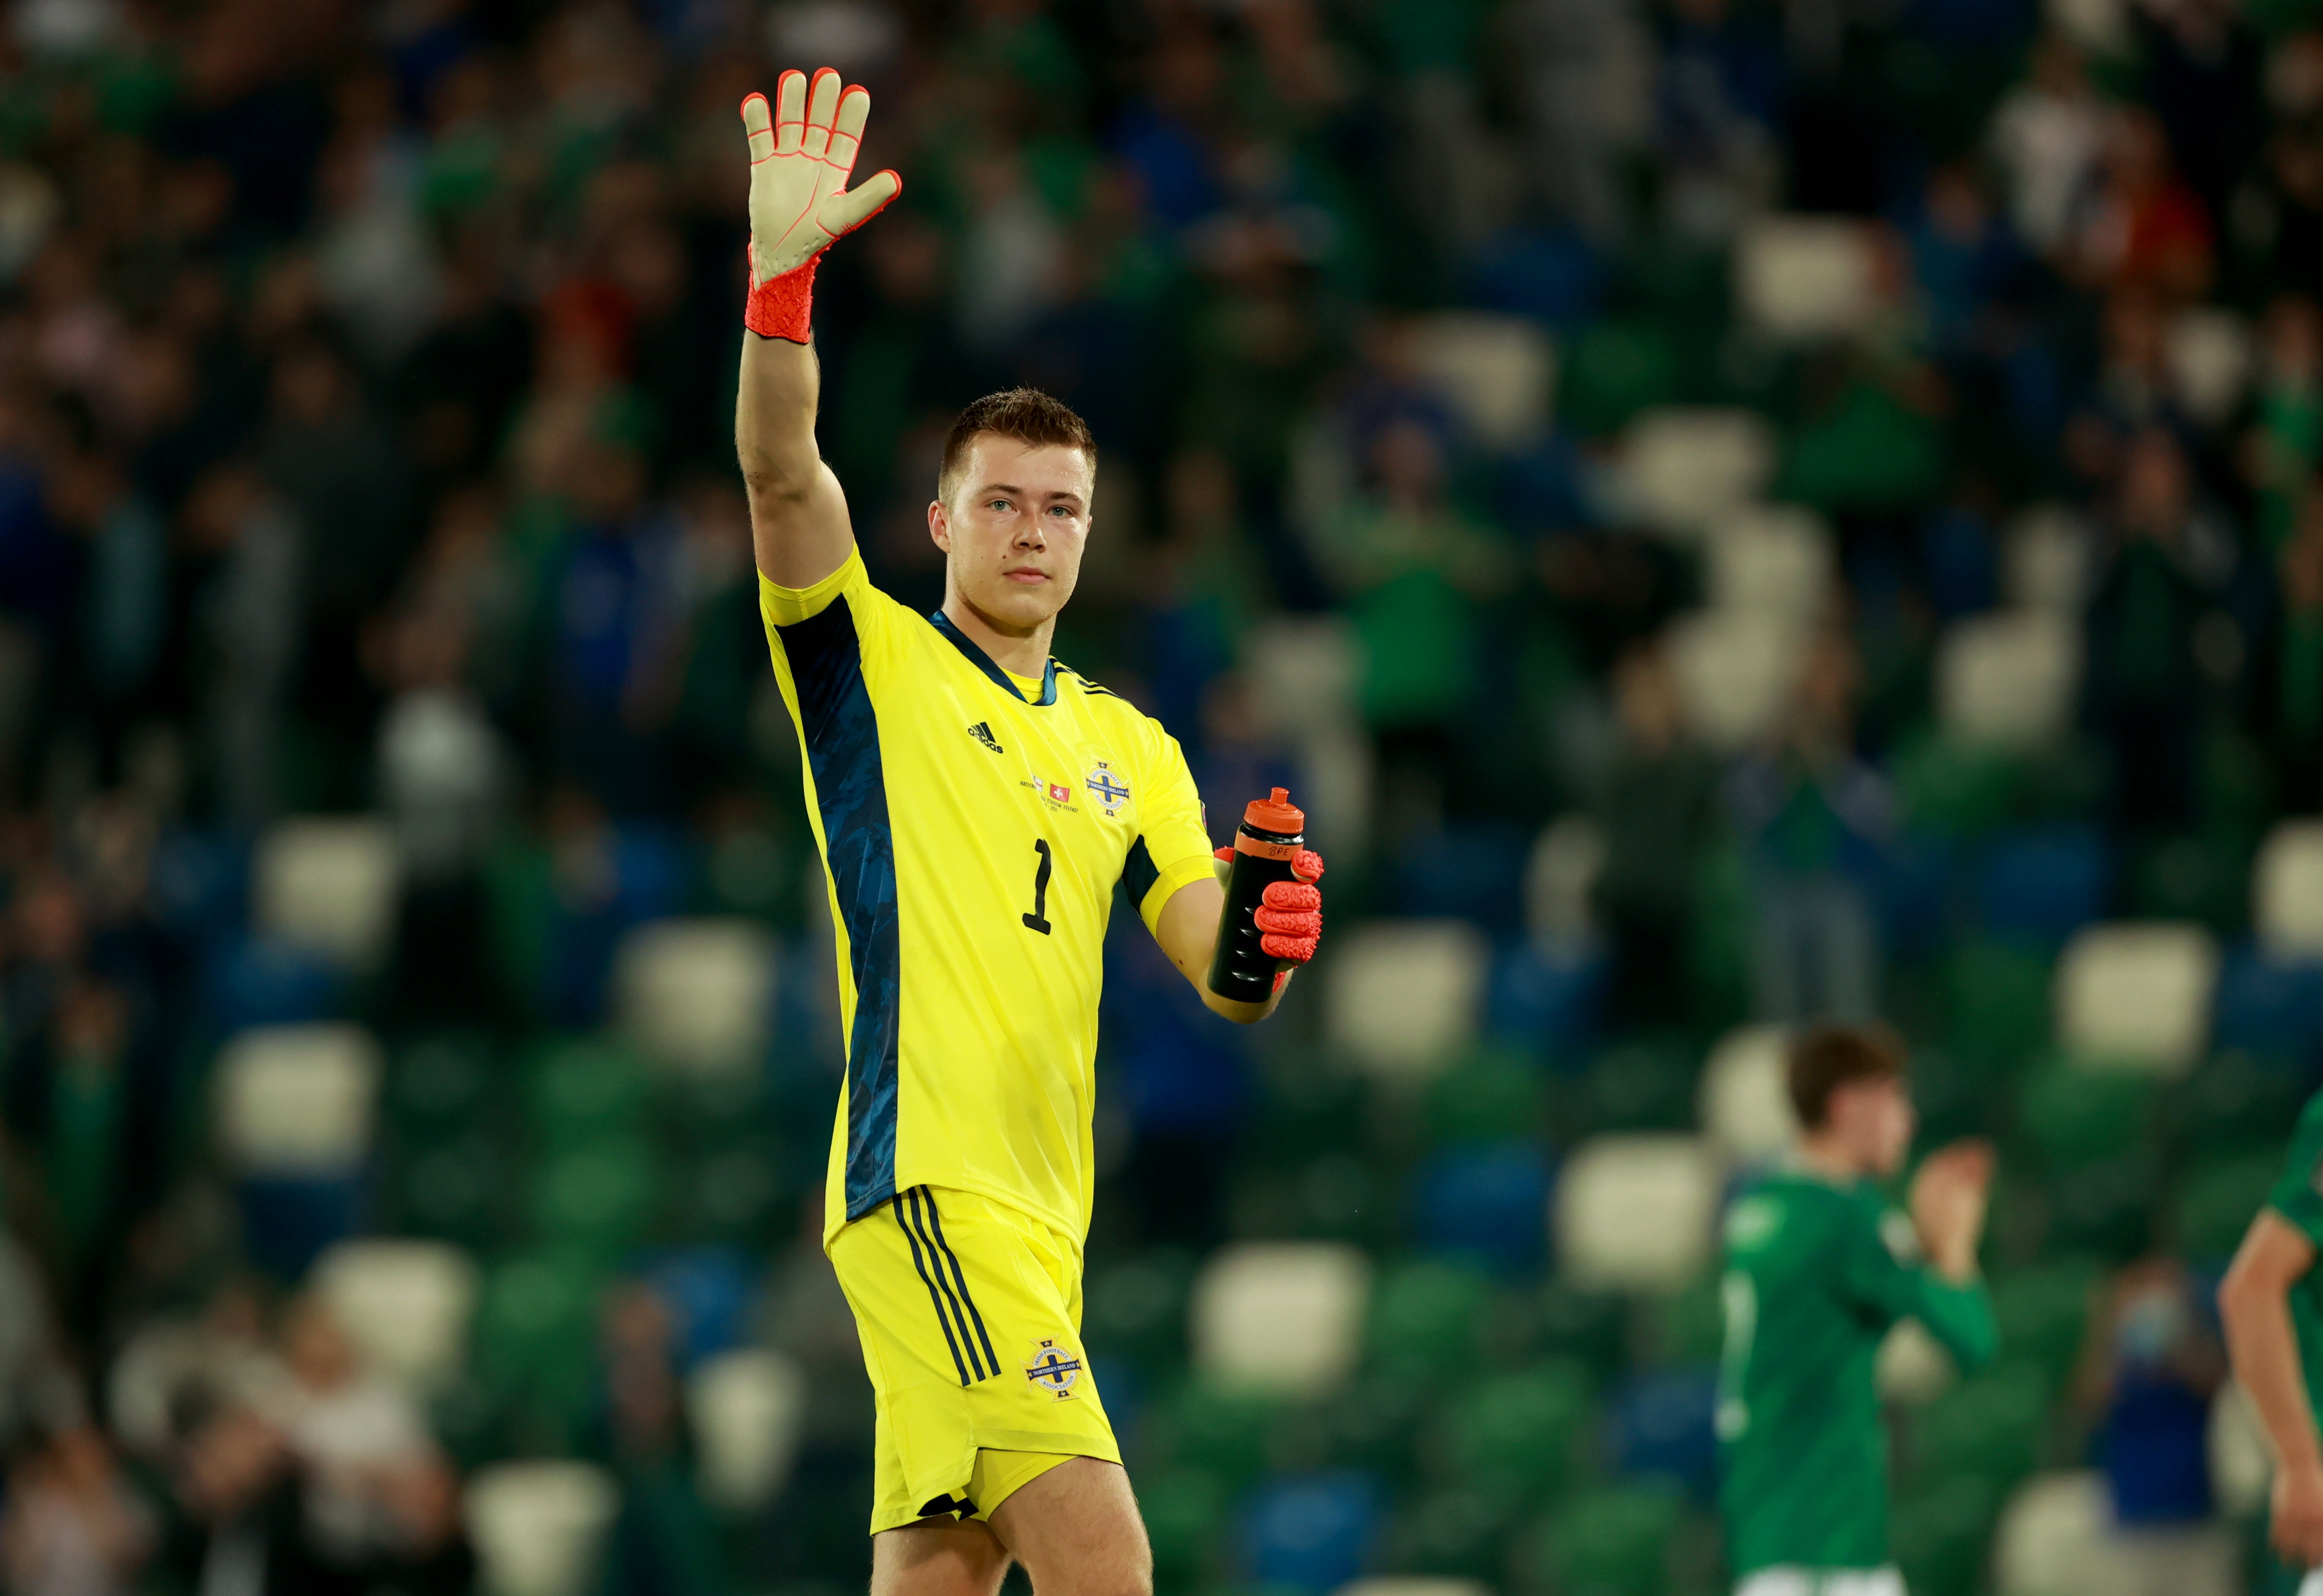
x=1108, y=789
x=1053, y=1370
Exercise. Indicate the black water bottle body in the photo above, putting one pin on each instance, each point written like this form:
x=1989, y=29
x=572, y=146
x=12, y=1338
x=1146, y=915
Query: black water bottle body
x=1241, y=969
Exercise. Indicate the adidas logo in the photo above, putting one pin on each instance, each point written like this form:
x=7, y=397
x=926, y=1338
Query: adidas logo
x=983, y=734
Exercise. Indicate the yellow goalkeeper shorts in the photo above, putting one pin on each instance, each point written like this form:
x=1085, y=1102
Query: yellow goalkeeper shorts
x=969, y=1313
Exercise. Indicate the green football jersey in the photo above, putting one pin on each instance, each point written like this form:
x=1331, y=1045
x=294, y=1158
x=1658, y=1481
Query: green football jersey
x=2298, y=1196
x=1815, y=1275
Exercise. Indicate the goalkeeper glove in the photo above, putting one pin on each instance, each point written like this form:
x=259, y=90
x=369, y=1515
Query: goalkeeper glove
x=801, y=157
x=1289, y=913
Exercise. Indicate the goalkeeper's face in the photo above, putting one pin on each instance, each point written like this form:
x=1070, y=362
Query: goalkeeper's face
x=1013, y=531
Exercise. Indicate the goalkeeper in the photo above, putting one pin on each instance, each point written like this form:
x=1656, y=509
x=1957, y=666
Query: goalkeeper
x=975, y=803
x=1818, y=1268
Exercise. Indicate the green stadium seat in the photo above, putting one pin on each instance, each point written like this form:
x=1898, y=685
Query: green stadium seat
x=1491, y=1095
x=1184, y=1510
x=1951, y=788
x=2043, y=1312
x=1644, y=1084
x=1615, y=369
x=1309, y=1104
x=1427, y=1320
x=1373, y=1425
x=1990, y=1428
x=1455, y=1532
x=1223, y=1433
x=2105, y=1207
x=1939, y=1538
x=742, y=1195
x=1135, y=1310
x=2236, y=1102
x=1590, y=1327
x=2071, y=1115
x=2216, y=1201
x=2199, y=877
x=460, y=1189
x=1606, y=1543
x=535, y=1339
x=437, y=1084
x=1688, y=1327
x=582, y=1089
x=600, y=1198
x=1999, y=996
x=1520, y=1433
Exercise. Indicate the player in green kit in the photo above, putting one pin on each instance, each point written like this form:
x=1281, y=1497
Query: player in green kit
x=1818, y=1266
x=2272, y=1303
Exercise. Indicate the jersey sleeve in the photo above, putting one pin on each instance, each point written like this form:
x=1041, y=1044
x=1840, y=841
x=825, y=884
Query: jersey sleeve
x=1887, y=1279
x=1173, y=847
x=2298, y=1193
x=826, y=636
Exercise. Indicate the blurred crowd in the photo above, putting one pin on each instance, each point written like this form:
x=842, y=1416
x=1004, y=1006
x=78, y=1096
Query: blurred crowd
x=365, y=392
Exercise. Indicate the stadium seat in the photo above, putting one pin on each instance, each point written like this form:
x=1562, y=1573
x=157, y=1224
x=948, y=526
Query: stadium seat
x=2043, y=1312
x=1495, y=1093
x=2046, y=566
x=747, y=1408
x=1615, y=369
x=2216, y=1200
x=1683, y=470
x=2269, y=1005
x=2137, y=994
x=1635, y=1211
x=1911, y=1366
x=1524, y=1431
x=407, y=1305
x=1660, y=1427
x=583, y=1090
x=2073, y=1117
x=1772, y=559
x=1954, y=789
x=1311, y=664
x=1612, y=1542
x=1744, y=1104
x=2287, y=890
x=1428, y=1320
x=697, y=996
x=536, y=1332
x=1311, y=1531
x=1547, y=996
x=708, y=1290
x=1735, y=669
x=2053, y=1539
x=1648, y=1083
x=599, y=1198
x=2043, y=884
x=460, y=1187
x=440, y=1083
x=1938, y=1539
x=1452, y=1537
x=1473, y=872
x=2009, y=679
x=327, y=884
x=1589, y=1326
x=538, y=1526
x=1486, y=1201
x=2000, y=1003
x=1403, y=996
x=1497, y=373
x=2242, y=1461
x=2209, y=357
x=1136, y=1311
x=1184, y=1510
x=1804, y=279
x=1561, y=878
x=1280, y=1316
x=1990, y=1425
x=267, y=981
x=1220, y=1431
x=297, y=1100
x=2238, y=1101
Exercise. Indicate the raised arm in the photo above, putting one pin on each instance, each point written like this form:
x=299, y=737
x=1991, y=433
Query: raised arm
x=802, y=153
x=2255, y=1306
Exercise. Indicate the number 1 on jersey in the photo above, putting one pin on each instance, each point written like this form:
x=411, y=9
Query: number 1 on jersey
x=1037, y=919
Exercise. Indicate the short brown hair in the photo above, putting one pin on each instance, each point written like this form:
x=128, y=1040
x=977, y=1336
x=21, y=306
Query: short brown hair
x=1825, y=1058
x=1024, y=414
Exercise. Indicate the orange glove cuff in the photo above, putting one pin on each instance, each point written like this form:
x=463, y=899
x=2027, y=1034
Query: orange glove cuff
x=782, y=306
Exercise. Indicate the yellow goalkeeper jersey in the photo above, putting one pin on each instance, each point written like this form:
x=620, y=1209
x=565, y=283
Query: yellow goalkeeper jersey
x=971, y=834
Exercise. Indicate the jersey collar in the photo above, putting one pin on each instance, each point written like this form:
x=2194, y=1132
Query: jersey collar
x=983, y=662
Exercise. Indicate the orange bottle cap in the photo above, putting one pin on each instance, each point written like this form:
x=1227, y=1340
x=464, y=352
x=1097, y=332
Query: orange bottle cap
x=1275, y=813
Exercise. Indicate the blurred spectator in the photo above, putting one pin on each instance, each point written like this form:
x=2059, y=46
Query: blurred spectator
x=71, y=1526
x=663, y=1540
x=1659, y=815
x=2296, y=682
x=2049, y=137
x=2285, y=442
x=2148, y=1371
x=2144, y=227
x=1815, y=822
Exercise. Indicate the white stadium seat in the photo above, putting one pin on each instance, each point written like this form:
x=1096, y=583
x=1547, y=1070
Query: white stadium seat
x=2055, y=1539
x=405, y=1304
x=2242, y=1468
x=748, y=1409
x=1496, y=370
x=2209, y=358
x=1635, y=1213
x=297, y=1099
x=1560, y=876
x=1403, y=994
x=2045, y=560
x=2136, y=995
x=1911, y=1366
x=2287, y=890
x=1413, y=1585
x=1735, y=670
x=1283, y=1317
x=537, y=1526
x=1800, y=278
x=1311, y=664
x=1773, y=557
x=697, y=994
x=2009, y=679
x=1683, y=470
x=1744, y=1103
x=328, y=884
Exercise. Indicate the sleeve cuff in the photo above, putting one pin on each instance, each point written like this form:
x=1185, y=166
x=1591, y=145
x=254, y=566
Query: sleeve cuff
x=787, y=606
x=1184, y=873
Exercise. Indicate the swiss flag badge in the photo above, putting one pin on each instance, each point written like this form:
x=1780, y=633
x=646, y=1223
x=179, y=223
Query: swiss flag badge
x=1059, y=794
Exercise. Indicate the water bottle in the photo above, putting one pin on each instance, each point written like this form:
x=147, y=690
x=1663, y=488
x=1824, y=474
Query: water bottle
x=1270, y=837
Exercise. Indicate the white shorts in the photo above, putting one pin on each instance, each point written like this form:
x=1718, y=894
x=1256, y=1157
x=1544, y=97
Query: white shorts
x=2313, y=1585
x=1835, y=1582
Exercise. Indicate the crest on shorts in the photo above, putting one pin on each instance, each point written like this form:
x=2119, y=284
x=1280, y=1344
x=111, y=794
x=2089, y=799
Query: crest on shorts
x=1053, y=1370
x=1108, y=789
